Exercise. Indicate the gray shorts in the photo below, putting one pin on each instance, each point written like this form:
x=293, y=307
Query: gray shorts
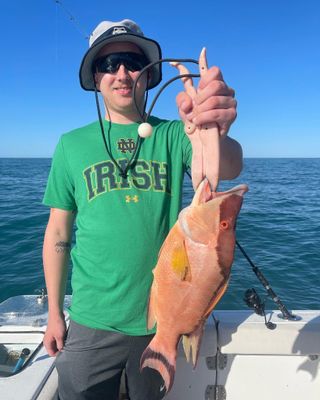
x=92, y=361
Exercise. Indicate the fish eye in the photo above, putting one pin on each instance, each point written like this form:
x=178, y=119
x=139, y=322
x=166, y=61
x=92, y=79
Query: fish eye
x=224, y=225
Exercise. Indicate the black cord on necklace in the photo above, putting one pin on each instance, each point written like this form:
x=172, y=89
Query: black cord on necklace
x=122, y=172
x=143, y=115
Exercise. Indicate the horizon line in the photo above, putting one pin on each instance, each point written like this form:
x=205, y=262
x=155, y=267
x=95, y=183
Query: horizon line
x=247, y=157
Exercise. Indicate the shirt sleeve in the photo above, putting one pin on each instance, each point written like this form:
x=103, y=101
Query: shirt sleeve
x=59, y=192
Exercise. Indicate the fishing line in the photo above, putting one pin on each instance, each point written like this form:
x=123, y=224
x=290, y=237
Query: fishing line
x=72, y=19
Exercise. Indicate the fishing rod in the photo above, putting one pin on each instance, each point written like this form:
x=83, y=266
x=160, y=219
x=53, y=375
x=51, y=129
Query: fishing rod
x=252, y=298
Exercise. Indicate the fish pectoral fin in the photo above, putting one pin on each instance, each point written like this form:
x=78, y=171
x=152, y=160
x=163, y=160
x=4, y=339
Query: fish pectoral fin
x=191, y=343
x=180, y=261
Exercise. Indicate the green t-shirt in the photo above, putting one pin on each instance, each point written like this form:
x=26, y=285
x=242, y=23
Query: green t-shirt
x=121, y=223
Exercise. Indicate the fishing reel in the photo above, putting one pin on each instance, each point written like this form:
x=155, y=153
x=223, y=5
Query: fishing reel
x=253, y=300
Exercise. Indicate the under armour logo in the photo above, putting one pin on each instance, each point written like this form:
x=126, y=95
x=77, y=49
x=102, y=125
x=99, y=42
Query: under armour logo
x=126, y=145
x=119, y=29
x=135, y=199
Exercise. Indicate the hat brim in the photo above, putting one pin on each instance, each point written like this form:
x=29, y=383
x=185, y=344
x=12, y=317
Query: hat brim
x=150, y=48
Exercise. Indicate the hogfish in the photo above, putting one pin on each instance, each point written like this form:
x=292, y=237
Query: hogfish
x=190, y=277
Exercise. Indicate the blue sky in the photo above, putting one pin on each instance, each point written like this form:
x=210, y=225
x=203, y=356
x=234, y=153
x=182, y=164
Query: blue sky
x=268, y=52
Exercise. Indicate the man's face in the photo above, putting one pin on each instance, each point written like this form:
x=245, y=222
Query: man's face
x=116, y=88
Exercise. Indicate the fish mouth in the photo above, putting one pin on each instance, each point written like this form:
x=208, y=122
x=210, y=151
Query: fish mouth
x=238, y=190
x=204, y=195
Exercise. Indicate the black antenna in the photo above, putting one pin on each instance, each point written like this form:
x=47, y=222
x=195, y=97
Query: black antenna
x=73, y=19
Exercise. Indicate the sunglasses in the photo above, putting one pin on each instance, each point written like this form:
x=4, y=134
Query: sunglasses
x=111, y=62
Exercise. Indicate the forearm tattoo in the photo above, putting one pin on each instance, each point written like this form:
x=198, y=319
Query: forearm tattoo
x=62, y=247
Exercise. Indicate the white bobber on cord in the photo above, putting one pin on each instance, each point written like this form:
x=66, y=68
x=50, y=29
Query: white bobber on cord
x=145, y=130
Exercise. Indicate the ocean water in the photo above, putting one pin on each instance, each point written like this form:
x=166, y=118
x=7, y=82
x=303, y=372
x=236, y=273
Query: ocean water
x=279, y=228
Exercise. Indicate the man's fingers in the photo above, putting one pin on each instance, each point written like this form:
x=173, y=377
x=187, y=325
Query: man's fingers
x=51, y=347
x=60, y=344
x=185, y=105
x=214, y=88
x=184, y=102
x=212, y=74
x=215, y=102
x=231, y=91
x=223, y=118
x=53, y=344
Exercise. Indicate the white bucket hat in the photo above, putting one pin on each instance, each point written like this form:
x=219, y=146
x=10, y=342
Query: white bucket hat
x=122, y=31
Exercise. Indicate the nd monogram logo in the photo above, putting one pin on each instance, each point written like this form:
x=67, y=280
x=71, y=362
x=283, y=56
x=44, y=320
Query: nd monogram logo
x=126, y=145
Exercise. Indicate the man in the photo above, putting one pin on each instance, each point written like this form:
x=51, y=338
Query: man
x=126, y=194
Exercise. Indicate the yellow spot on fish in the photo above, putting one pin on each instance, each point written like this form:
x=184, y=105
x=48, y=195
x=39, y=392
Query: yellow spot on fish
x=180, y=263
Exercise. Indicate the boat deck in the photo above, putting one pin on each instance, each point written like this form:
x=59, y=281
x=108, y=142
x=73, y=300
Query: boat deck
x=240, y=358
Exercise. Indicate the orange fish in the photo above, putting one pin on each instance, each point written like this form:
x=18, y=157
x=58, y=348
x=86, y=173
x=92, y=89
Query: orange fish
x=191, y=276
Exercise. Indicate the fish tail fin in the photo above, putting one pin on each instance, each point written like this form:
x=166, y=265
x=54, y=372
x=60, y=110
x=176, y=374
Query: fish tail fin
x=155, y=356
x=191, y=344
